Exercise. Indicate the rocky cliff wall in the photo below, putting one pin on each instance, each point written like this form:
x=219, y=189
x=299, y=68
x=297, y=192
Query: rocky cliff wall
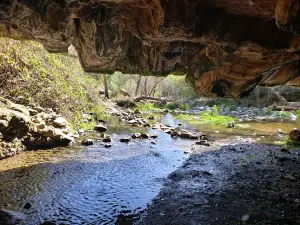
x=226, y=47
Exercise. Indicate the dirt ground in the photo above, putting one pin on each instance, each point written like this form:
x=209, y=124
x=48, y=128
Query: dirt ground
x=231, y=183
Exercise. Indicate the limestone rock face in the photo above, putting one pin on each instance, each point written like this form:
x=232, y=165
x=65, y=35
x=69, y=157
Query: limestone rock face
x=226, y=47
x=20, y=129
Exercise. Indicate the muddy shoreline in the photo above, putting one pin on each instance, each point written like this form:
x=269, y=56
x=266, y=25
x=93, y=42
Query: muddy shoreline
x=231, y=182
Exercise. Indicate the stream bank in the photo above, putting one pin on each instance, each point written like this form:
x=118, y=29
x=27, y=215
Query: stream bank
x=231, y=182
x=95, y=185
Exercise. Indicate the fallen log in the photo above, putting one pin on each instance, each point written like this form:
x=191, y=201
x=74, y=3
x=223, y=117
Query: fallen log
x=143, y=97
x=125, y=93
x=284, y=107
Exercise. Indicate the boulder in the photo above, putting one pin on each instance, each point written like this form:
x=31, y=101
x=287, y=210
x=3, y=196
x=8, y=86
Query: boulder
x=60, y=122
x=87, y=142
x=100, y=128
x=145, y=135
x=295, y=136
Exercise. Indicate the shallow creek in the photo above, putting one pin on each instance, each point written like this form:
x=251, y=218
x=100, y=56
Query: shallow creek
x=95, y=185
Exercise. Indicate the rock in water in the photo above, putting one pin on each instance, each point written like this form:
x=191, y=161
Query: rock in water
x=145, y=136
x=100, y=128
x=87, y=142
x=136, y=135
x=295, y=136
x=8, y=217
x=125, y=139
x=107, y=138
x=230, y=125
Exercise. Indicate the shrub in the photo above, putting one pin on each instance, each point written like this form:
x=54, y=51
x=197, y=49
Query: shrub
x=171, y=105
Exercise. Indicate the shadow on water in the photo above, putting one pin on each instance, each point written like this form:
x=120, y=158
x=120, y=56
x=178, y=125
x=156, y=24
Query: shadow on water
x=234, y=184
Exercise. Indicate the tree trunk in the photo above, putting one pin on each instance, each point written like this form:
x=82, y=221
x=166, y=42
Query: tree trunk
x=105, y=85
x=138, y=85
x=145, y=86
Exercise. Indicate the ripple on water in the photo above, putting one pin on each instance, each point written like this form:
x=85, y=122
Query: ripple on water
x=100, y=186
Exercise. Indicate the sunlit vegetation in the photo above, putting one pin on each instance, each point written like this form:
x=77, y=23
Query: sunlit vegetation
x=213, y=118
x=32, y=75
x=174, y=105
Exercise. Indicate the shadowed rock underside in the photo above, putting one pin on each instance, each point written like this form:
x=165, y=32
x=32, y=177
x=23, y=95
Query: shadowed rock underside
x=225, y=47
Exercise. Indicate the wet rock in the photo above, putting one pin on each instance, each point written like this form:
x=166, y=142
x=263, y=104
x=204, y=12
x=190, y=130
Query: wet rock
x=49, y=223
x=168, y=131
x=154, y=136
x=107, y=138
x=154, y=142
x=125, y=139
x=107, y=145
x=145, y=135
x=87, y=142
x=203, y=142
x=230, y=125
x=100, y=128
x=136, y=135
x=8, y=217
x=184, y=134
x=193, y=136
x=295, y=136
x=174, y=133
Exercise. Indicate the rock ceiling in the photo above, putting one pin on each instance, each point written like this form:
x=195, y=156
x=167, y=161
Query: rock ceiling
x=225, y=47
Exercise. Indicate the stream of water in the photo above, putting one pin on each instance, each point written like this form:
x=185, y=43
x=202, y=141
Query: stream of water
x=95, y=185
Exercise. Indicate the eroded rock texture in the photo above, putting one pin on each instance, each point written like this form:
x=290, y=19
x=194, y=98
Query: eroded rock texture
x=226, y=47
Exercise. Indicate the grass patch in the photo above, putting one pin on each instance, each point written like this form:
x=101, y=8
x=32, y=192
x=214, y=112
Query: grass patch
x=174, y=105
x=87, y=126
x=284, y=114
x=207, y=117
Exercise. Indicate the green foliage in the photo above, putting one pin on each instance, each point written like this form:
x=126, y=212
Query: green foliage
x=215, y=111
x=212, y=118
x=297, y=113
x=171, y=105
x=284, y=114
x=287, y=143
x=32, y=75
x=147, y=107
x=268, y=112
x=174, y=105
x=87, y=126
x=99, y=110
